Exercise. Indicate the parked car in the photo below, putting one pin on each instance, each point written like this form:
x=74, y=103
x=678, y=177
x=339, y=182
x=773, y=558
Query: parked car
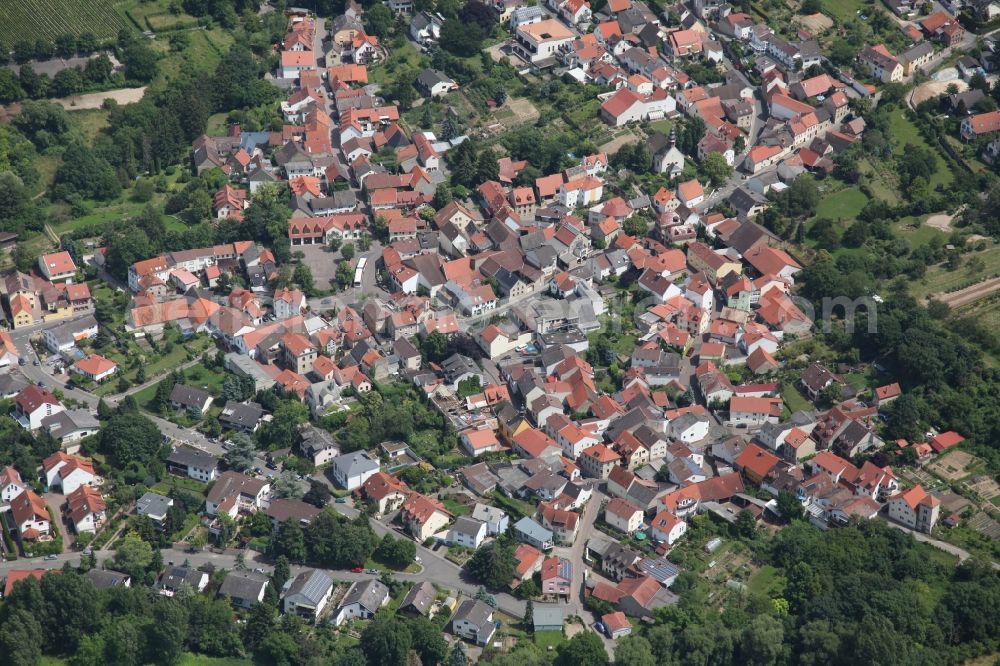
x=357, y=570
x=340, y=500
x=52, y=557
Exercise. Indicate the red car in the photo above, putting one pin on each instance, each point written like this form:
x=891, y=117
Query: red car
x=357, y=570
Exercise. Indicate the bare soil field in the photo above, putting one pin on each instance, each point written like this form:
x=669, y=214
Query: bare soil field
x=930, y=89
x=95, y=100
x=941, y=222
x=815, y=23
x=612, y=147
x=523, y=109
x=952, y=466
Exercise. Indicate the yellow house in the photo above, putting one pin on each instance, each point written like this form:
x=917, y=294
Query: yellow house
x=21, y=312
x=424, y=517
x=715, y=266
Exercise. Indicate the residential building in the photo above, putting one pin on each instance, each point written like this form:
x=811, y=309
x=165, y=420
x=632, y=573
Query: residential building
x=362, y=601
x=193, y=463
x=467, y=532
x=915, y=508
x=351, y=470
x=623, y=515
x=31, y=515
x=557, y=577
x=190, y=399
x=424, y=517
x=308, y=594
x=474, y=621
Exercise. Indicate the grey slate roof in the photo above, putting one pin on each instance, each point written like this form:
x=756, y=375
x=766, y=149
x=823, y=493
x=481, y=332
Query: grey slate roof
x=246, y=586
x=419, y=598
x=473, y=611
x=103, y=580
x=368, y=594
x=153, y=504
x=310, y=586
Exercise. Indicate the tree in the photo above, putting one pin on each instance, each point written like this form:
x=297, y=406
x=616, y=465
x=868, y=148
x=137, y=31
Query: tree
x=761, y=641
x=302, y=276
x=529, y=614
x=584, y=649
x=130, y=437
x=99, y=69
x=458, y=656
x=86, y=174
x=634, y=651
x=479, y=13
x=831, y=395
x=286, y=418
x=386, y=640
x=318, y=494
x=347, y=251
x=746, y=525
x=67, y=82
x=460, y=38
x=789, y=506
x=21, y=637
x=715, y=168
x=10, y=87
x=282, y=572
x=378, y=20
x=286, y=486
x=434, y=347
x=133, y=555
x=428, y=641
x=70, y=610
x=345, y=274
x=140, y=62
x=493, y=564
x=396, y=553
x=240, y=455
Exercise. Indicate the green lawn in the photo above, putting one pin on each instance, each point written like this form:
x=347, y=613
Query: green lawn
x=904, y=132
x=402, y=59
x=842, y=10
x=547, y=639
x=841, y=205
x=794, y=399
x=764, y=580
x=456, y=508
x=915, y=232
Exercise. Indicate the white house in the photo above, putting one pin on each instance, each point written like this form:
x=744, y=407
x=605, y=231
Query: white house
x=308, y=594
x=474, y=621
x=351, y=470
x=467, y=532
x=496, y=519
x=667, y=528
x=689, y=427
x=67, y=472
x=915, y=508
x=623, y=515
x=288, y=303
x=31, y=515
x=362, y=601
x=11, y=485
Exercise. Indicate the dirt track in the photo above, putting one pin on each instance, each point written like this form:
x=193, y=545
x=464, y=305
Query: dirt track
x=957, y=299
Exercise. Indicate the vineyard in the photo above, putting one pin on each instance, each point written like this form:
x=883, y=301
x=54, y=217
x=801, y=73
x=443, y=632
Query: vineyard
x=34, y=19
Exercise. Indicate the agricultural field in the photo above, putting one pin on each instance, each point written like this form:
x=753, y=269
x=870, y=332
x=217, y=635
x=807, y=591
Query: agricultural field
x=939, y=279
x=51, y=18
x=155, y=16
